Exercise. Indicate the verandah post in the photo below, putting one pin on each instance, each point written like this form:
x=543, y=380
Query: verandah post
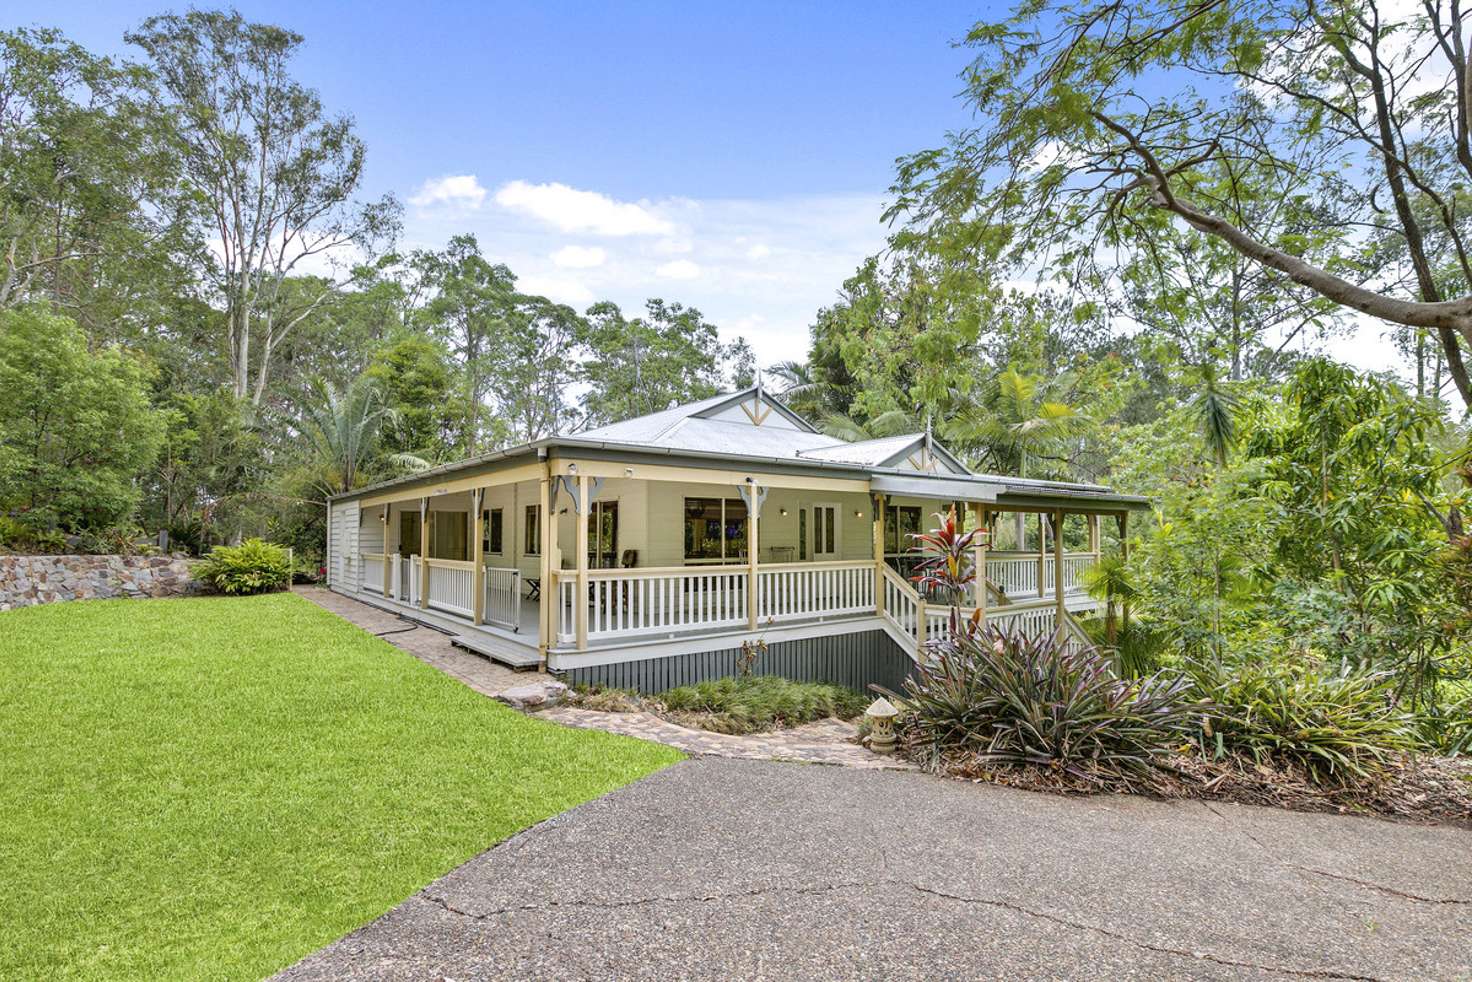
x=1124, y=557
x=423, y=553
x=386, y=556
x=753, y=520
x=979, y=587
x=1042, y=555
x=477, y=558
x=1058, y=598
x=546, y=598
x=580, y=610
x=879, y=503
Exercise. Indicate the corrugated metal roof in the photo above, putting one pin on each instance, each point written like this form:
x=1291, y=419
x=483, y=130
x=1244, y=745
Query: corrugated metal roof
x=647, y=429
x=682, y=430
x=870, y=452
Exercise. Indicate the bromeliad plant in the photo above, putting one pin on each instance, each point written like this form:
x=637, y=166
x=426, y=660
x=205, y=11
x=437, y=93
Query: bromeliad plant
x=1338, y=728
x=1009, y=698
x=1012, y=699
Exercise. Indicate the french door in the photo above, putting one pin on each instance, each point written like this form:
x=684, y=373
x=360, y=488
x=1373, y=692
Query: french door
x=825, y=532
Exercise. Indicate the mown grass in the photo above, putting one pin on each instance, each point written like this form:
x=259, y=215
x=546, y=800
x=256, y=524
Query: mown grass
x=213, y=788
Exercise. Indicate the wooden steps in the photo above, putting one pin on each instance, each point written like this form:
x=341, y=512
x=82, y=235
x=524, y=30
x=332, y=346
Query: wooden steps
x=510, y=655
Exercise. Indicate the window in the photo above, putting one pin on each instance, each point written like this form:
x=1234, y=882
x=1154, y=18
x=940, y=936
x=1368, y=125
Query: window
x=603, y=535
x=900, y=523
x=715, y=528
x=802, y=534
x=447, y=535
x=533, y=533
x=493, y=536
x=409, y=533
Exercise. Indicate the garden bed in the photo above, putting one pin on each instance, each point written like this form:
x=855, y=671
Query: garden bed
x=1412, y=788
x=749, y=704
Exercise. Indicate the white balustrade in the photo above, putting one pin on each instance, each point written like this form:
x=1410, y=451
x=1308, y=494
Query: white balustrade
x=794, y=591
x=503, y=596
x=451, y=586
x=901, y=604
x=1017, y=572
x=631, y=602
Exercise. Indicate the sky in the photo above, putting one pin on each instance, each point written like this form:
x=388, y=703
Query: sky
x=732, y=157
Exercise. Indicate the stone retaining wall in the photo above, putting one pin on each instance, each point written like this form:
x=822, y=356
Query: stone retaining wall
x=26, y=580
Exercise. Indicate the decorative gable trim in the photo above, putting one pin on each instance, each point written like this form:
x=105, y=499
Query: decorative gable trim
x=758, y=405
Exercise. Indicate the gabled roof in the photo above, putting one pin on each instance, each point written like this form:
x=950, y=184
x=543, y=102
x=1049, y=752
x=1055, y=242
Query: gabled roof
x=889, y=451
x=694, y=426
x=738, y=428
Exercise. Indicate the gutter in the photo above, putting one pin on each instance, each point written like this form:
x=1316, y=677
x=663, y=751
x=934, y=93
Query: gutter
x=1012, y=486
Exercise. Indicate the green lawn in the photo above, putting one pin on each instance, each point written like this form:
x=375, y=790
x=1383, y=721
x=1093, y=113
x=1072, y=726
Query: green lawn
x=213, y=788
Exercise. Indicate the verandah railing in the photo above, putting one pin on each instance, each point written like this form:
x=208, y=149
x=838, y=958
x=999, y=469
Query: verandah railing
x=668, y=600
x=1016, y=573
x=903, y=606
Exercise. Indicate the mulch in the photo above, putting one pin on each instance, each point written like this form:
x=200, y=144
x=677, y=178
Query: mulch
x=1410, y=788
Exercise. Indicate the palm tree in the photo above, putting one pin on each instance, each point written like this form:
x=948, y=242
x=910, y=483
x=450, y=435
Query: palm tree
x=1215, y=410
x=342, y=428
x=891, y=423
x=1108, y=580
x=1015, y=425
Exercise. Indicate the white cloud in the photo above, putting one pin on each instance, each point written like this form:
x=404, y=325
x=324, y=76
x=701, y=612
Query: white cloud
x=562, y=289
x=580, y=257
x=679, y=269
x=457, y=190
x=759, y=251
x=572, y=210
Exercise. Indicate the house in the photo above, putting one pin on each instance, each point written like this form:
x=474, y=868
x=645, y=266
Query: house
x=642, y=554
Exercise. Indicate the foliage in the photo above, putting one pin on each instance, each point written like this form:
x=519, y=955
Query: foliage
x=759, y=702
x=285, y=747
x=417, y=381
x=253, y=566
x=1012, y=699
x=948, y=568
x=642, y=365
x=76, y=427
x=88, y=186
x=205, y=474
x=1336, y=727
x=270, y=174
x=1278, y=131
x=342, y=429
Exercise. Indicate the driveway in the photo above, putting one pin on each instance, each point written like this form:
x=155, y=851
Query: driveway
x=751, y=869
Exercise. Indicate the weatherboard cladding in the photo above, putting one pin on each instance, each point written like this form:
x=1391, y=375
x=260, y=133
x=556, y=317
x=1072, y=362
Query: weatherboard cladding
x=852, y=660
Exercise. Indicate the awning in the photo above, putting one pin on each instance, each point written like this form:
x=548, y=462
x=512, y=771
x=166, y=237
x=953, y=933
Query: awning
x=943, y=488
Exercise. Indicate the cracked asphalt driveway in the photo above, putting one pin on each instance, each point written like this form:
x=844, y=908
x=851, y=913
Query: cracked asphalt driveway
x=749, y=869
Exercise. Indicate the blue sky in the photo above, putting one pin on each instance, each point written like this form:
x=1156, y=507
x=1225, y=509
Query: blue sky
x=731, y=156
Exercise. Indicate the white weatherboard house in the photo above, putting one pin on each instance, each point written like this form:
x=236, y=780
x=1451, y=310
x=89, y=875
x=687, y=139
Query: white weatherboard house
x=643, y=553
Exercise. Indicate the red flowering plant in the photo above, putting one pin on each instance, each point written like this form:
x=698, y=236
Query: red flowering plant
x=948, y=568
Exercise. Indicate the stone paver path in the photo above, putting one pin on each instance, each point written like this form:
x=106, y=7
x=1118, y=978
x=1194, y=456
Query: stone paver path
x=828, y=741
x=825, y=742
x=428, y=645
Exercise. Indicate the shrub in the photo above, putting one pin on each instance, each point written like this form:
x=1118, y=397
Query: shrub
x=760, y=702
x=1013, y=699
x=251, y=567
x=1336, y=728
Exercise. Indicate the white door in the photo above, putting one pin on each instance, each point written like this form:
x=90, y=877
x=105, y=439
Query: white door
x=825, y=532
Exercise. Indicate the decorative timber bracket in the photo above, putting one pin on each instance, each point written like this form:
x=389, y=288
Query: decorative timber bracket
x=753, y=508
x=569, y=483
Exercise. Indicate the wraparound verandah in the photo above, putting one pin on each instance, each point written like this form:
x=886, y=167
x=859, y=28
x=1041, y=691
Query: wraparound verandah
x=491, y=556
